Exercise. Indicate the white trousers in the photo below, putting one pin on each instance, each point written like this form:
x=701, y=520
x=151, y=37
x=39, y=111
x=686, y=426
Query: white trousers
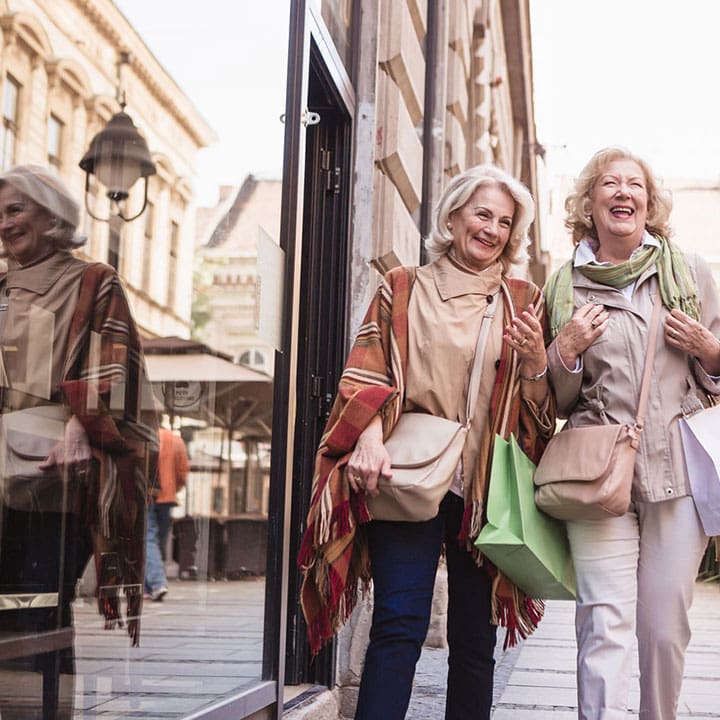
x=635, y=576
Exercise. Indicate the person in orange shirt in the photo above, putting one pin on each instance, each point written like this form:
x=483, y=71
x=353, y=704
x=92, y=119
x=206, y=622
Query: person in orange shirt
x=173, y=468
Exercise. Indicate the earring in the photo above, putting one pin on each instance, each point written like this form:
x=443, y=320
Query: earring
x=449, y=226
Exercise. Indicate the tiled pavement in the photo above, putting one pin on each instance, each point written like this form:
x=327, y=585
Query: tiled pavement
x=198, y=646
x=202, y=643
x=536, y=681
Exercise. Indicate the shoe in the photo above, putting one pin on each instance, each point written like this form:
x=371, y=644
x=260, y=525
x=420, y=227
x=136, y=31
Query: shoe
x=159, y=594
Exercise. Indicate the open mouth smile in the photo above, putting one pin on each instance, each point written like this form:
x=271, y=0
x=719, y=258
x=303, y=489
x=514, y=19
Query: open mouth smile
x=483, y=241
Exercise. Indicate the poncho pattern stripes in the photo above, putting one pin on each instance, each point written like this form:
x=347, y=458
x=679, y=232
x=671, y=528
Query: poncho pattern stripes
x=333, y=554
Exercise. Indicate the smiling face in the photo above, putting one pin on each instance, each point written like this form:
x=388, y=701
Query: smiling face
x=481, y=227
x=23, y=226
x=619, y=203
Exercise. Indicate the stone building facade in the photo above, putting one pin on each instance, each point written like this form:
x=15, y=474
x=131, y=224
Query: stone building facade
x=228, y=286
x=60, y=73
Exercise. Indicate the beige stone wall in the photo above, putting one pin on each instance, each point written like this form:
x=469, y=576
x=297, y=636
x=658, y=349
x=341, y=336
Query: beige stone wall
x=63, y=55
x=695, y=219
x=479, y=122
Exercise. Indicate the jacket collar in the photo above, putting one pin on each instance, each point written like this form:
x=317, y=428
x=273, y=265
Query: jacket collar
x=453, y=280
x=41, y=276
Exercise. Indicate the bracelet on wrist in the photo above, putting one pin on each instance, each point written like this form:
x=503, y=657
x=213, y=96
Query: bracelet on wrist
x=535, y=378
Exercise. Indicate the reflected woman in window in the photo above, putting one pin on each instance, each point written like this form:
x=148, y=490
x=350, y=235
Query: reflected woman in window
x=75, y=445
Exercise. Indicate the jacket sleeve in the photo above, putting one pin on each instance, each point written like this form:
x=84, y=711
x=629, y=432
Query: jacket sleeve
x=566, y=383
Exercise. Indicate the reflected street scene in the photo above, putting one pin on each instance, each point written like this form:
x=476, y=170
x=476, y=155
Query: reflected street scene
x=141, y=280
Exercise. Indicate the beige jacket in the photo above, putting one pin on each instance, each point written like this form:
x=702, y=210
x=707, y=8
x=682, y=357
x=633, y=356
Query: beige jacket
x=607, y=386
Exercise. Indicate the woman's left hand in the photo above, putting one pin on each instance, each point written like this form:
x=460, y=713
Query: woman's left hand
x=74, y=449
x=525, y=336
x=690, y=336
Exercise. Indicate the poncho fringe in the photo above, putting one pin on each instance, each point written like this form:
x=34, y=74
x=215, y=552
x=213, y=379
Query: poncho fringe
x=333, y=553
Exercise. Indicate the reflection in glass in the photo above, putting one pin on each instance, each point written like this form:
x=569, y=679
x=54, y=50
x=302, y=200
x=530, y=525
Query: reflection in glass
x=77, y=445
x=204, y=639
x=337, y=15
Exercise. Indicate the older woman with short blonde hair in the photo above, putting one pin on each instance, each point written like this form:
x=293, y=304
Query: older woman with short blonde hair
x=579, y=218
x=413, y=354
x=635, y=573
x=459, y=190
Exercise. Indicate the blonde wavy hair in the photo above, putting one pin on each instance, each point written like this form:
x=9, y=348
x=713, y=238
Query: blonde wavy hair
x=458, y=192
x=578, y=219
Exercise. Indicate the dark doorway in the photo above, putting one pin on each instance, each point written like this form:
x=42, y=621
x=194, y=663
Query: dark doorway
x=322, y=327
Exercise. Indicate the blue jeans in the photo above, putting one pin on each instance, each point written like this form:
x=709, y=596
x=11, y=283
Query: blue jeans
x=404, y=557
x=154, y=569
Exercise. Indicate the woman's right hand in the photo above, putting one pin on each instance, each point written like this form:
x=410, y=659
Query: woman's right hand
x=369, y=459
x=586, y=325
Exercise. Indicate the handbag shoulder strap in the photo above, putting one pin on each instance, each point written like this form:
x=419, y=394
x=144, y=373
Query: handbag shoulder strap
x=475, y=371
x=649, y=361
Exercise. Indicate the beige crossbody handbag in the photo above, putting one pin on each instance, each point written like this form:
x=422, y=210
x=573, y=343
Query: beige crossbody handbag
x=27, y=436
x=425, y=450
x=586, y=473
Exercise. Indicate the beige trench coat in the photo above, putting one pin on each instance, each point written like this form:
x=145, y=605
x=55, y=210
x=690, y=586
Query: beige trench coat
x=607, y=386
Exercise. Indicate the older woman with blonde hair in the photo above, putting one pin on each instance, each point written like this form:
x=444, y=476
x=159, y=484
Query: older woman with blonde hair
x=635, y=573
x=413, y=353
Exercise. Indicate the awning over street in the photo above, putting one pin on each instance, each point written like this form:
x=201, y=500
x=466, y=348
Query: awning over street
x=194, y=381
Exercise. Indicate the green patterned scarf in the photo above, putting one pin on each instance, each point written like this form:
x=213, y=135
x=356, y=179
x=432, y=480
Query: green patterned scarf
x=677, y=287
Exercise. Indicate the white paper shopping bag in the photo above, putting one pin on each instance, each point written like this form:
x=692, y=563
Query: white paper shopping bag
x=701, y=442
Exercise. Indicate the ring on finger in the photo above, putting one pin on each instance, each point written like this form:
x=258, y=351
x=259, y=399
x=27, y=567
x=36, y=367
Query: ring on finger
x=674, y=333
x=594, y=323
x=523, y=342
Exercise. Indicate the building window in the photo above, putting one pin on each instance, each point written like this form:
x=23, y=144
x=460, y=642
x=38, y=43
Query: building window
x=172, y=264
x=54, y=141
x=147, y=247
x=253, y=358
x=11, y=95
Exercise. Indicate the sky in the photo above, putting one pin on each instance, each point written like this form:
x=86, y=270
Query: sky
x=639, y=73
x=230, y=58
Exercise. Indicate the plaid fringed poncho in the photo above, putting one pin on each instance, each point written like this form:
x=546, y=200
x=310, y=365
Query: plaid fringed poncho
x=104, y=382
x=333, y=554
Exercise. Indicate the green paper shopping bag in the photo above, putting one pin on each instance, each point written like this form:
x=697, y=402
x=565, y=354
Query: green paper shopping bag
x=528, y=546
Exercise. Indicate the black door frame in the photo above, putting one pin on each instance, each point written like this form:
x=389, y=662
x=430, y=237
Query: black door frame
x=307, y=34
x=322, y=328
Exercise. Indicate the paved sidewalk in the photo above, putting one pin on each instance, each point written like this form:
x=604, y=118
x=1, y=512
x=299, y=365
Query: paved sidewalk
x=536, y=681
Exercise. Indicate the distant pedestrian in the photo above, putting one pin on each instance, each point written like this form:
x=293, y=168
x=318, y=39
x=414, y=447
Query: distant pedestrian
x=173, y=468
x=635, y=573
